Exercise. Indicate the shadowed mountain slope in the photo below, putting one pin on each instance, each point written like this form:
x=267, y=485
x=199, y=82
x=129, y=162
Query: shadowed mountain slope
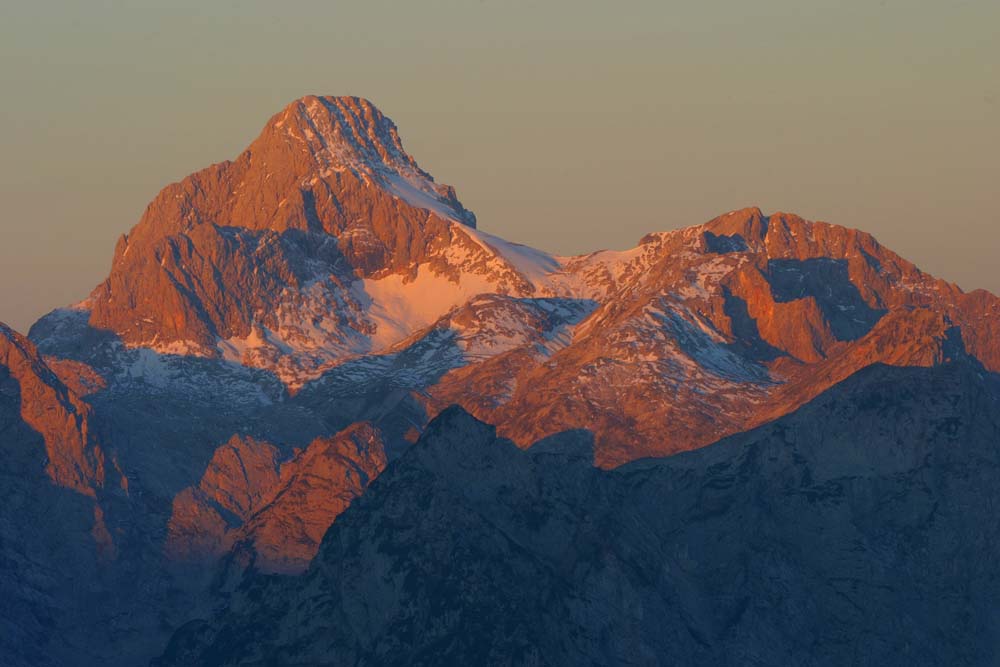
x=856, y=530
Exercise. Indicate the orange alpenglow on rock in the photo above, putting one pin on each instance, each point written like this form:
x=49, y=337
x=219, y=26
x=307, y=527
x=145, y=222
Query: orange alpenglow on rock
x=75, y=459
x=711, y=330
x=209, y=252
x=274, y=513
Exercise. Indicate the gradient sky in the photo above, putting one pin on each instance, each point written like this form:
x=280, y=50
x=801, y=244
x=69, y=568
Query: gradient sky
x=568, y=124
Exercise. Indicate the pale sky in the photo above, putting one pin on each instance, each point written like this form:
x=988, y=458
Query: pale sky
x=570, y=125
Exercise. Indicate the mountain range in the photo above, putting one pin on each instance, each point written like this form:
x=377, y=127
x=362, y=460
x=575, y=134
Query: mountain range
x=743, y=440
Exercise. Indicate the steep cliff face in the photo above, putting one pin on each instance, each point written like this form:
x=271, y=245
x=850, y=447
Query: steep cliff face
x=272, y=514
x=74, y=459
x=240, y=479
x=855, y=530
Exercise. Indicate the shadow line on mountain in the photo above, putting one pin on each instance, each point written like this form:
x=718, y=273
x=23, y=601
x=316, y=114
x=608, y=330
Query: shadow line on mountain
x=828, y=282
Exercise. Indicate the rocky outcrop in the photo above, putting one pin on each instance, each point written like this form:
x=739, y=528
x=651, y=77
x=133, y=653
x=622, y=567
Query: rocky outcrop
x=857, y=529
x=272, y=514
x=315, y=488
x=241, y=478
x=74, y=459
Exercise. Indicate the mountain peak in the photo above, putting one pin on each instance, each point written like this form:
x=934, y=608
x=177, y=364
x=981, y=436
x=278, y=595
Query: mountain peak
x=351, y=129
x=350, y=134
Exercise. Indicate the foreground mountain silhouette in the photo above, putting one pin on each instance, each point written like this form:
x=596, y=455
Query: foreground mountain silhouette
x=278, y=329
x=857, y=530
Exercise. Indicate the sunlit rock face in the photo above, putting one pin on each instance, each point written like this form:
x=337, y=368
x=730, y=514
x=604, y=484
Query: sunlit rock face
x=75, y=460
x=272, y=514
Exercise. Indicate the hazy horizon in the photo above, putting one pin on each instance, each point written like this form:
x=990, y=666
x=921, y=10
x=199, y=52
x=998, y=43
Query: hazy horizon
x=566, y=126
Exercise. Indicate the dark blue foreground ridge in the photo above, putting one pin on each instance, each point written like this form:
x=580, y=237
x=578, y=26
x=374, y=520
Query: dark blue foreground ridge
x=859, y=529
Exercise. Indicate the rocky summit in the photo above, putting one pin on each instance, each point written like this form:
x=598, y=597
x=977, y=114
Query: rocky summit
x=744, y=438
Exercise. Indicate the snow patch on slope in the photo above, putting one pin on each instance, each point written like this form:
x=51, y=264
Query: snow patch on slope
x=399, y=306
